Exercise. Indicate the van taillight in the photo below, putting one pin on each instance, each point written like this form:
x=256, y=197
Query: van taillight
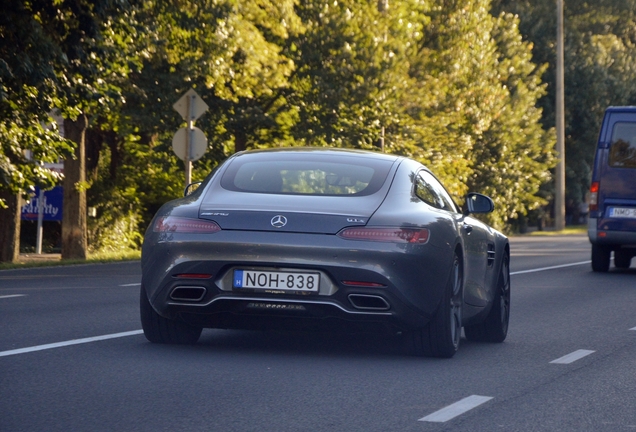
x=594, y=196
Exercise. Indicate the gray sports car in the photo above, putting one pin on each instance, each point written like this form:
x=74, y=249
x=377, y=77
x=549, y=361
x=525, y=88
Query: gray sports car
x=314, y=238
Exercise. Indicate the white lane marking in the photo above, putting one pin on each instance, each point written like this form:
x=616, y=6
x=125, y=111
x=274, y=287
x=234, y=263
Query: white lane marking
x=572, y=357
x=633, y=328
x=12, y=296
x=135, y=284
x=550, y=268
x=458, y=408
x=71, y=342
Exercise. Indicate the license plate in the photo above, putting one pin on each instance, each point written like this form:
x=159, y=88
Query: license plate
x=277, y=280
x=622, y=212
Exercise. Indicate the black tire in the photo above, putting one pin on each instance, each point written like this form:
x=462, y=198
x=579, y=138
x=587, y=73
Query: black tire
x=158, y=329
x=440, y=337
x=495, y=326
x=600, y=258
x=622, y=259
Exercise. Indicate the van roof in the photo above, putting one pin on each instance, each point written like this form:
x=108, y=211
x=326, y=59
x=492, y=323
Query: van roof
x=621, y=109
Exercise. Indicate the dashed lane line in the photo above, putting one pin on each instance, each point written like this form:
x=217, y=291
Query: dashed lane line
x=456, y=409
x=572, y=357
x=133, y=284
x=12, y=296
x=70, y=342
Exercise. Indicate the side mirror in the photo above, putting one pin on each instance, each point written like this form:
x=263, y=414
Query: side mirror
x=478, y=203
x=191, y=188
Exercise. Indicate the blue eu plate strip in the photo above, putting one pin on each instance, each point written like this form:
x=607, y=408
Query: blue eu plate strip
x=238, y=278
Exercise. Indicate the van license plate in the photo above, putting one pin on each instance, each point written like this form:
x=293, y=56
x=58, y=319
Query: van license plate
x=622, y=212
x=274, y=280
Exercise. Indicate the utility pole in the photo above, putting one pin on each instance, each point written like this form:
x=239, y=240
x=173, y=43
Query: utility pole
x=383, y=7
x=559, y=195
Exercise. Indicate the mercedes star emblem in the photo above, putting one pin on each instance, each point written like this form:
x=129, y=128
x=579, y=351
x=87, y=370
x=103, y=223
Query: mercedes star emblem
x=279, y=221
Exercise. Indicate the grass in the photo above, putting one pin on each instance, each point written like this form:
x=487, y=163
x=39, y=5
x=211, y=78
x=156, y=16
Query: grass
x=48, y=260
x=574, y=229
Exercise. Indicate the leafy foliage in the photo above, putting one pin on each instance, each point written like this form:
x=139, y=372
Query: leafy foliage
x=28, y=93
x=447, y=83
x=600, y=71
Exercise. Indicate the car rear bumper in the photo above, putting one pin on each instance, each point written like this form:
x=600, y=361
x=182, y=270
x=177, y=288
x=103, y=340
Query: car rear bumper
x=609, y=236
x=405, y=287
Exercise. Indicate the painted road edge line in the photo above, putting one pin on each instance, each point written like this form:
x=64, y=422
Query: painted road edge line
x=456, y=409
x=572, y=357
x=549, y=268
x=12, y=296
x=67, y=343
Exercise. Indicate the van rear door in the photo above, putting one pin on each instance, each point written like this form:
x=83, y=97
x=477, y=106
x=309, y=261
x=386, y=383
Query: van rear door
x=615, y=170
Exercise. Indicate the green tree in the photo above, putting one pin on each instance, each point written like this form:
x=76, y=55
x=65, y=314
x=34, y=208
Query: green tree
x=230, y=52
x=600, y=54
x=476, y=102
x=513, y=157
x=30, y=55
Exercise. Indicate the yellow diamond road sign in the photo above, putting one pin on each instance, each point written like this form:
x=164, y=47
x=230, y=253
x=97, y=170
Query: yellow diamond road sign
x=190, y=106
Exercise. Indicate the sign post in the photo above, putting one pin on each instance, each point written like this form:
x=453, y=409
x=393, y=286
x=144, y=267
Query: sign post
x=188, y=145
x=38, y=241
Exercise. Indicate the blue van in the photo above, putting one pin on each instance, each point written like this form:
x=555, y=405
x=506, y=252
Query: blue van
x=612, y=217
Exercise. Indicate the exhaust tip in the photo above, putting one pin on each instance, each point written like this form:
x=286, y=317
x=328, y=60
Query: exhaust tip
x=368, y=302
x=188, y=293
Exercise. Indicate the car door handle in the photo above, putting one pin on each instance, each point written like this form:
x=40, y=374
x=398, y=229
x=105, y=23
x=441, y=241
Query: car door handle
x=467, y=228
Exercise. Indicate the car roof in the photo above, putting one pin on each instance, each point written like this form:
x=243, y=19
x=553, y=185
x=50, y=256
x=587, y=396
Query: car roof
x=326, y=151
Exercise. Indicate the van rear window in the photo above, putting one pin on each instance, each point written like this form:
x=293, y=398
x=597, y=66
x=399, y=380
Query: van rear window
x=622, y=152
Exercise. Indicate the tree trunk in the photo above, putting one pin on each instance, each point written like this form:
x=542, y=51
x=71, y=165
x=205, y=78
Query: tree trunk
x=240, y=140
x=10, y=228
x=74, y=232
x=93, y=144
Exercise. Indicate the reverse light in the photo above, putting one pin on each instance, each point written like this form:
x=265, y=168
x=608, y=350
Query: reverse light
x=392, y=235
x=594, y=187
x=185, y=225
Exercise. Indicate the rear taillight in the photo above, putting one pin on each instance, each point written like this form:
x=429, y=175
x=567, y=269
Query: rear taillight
x=594, y=196
x=192, y=276
x=363, y=284
x=392, y=235
x=185, y=225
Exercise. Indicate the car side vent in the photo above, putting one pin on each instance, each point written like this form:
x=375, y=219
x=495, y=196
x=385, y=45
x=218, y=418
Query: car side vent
x=491, y=254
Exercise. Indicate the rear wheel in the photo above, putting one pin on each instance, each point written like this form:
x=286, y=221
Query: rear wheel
x=600, y=258
x=440, y=337
x=495, y=326
x=622, y=259
x=158, y=329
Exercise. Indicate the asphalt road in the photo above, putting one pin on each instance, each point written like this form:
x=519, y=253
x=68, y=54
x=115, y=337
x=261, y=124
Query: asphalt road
x=72, y=358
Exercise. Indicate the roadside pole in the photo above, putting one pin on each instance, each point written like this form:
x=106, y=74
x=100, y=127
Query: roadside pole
x=38, y=240
x=559, y=196
x=189, y=140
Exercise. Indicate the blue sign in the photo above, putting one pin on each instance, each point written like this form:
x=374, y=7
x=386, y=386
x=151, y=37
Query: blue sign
x=52, y=204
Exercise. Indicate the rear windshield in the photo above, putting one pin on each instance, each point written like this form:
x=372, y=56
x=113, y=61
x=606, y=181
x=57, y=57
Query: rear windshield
x=306, y=174
x=623, y=148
